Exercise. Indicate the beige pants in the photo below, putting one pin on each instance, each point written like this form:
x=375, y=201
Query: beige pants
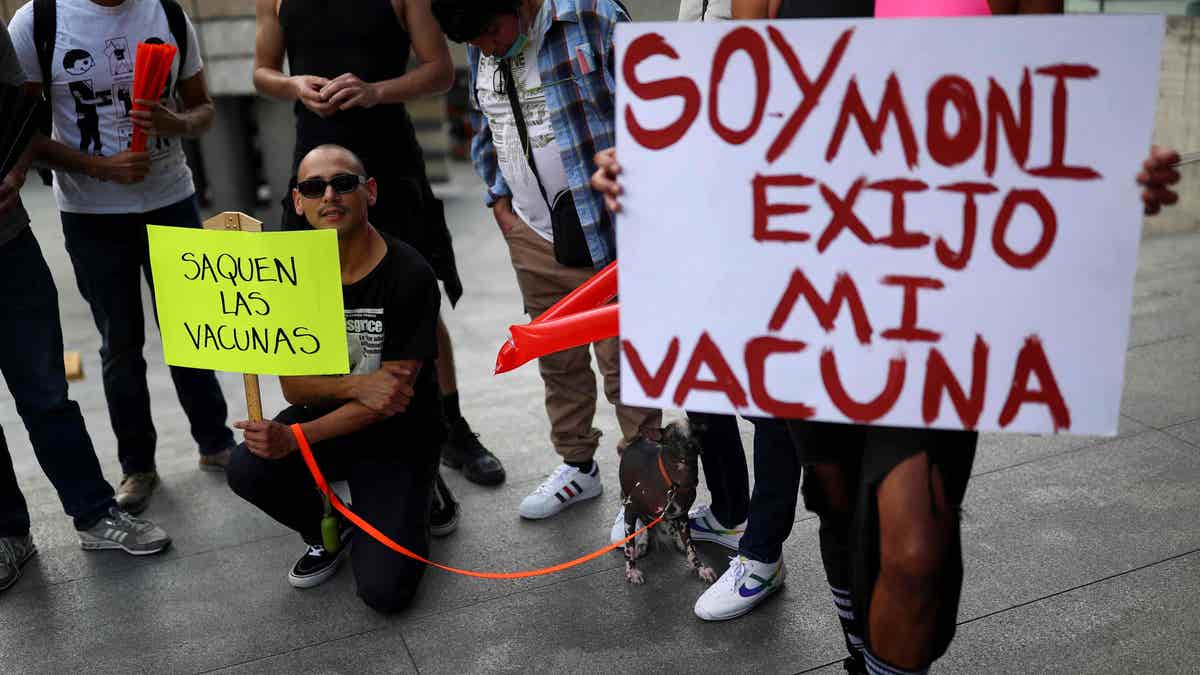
x=570, y=382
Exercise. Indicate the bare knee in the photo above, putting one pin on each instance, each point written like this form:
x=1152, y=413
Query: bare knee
x=913, y=559
x=916, y=524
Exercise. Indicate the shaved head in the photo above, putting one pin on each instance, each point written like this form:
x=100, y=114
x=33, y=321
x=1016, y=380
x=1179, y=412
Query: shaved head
x=325, y=155
x=345, y=211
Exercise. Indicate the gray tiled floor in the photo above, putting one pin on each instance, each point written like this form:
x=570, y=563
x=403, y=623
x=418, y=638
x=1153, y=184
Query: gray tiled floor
x=1082, y=554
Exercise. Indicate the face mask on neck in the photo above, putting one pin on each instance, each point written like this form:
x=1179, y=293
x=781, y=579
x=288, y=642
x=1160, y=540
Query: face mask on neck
x=520, y=43
x=517, y=47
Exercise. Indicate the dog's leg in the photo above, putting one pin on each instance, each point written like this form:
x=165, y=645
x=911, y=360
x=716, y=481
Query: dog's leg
x=676, y=528
x=632, y=574
x=685, y=539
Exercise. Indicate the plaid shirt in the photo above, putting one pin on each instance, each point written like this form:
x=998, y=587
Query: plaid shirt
x=577, y=56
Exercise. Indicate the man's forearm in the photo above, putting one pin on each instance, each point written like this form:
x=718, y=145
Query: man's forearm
x=26, y=159
x=198, y=120
x=51, y=154
x=348, y=419
x=428, y=79
x=318, y=389
x=272, y=82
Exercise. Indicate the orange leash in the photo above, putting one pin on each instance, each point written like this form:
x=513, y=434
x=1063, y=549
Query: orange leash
x=382, y=538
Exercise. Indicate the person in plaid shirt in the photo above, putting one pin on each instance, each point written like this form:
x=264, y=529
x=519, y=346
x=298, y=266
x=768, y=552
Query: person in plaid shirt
x=542, y=83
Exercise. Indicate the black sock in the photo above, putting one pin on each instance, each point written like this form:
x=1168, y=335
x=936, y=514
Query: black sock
x=850, y=628
x=585, y=467
x=450, y=407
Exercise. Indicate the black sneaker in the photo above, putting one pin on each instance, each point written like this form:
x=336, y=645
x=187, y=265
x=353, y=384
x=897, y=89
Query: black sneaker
x=317, y=565
x=462, y=450
x=443, y=512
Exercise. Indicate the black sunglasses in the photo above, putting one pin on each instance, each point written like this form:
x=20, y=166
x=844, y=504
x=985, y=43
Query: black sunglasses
x=343, y=183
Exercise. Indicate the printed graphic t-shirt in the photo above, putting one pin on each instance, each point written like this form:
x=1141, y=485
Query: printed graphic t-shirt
x=91, y=90
x=391, y=315
x=16, y=220
x=493, y=102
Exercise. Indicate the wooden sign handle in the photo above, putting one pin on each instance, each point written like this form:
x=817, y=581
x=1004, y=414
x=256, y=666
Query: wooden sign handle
x=235, y=220
x=253, y=397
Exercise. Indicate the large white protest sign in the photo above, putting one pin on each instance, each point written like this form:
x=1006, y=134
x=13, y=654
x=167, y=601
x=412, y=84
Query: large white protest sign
x=903, y=222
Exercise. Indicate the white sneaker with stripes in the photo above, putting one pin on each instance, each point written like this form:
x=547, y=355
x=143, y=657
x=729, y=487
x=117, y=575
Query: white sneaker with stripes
x=119, y=530
x=566, y=486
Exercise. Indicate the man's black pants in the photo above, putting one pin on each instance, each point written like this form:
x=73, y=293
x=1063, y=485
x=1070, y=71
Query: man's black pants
x=31, y=360
x=391, y=483
x=110, y=254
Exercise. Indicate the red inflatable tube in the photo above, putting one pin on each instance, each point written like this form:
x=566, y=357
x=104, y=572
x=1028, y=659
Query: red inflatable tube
x=151, y=68
x=593, y=293
x=547, y=337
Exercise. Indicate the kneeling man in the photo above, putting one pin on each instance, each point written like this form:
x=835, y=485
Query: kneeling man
x=380, y=427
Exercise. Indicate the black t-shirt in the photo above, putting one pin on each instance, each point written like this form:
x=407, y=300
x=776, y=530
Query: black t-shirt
x=391, y=315
x=825, y=9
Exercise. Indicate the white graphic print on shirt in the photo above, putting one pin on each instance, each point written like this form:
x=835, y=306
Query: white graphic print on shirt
x=364, y=338
x=493, y=102
x=91, y=87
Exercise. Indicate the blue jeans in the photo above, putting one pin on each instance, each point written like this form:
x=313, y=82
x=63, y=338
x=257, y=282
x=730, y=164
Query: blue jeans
x=724, y=462
x=770, y=510
x=31, y=358
x=110, y=255
x=776, y=491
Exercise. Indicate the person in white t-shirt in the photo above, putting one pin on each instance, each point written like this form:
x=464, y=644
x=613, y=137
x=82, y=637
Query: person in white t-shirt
x=31, y=362
x=107, y=194
x=705, y=10
x=542, y=76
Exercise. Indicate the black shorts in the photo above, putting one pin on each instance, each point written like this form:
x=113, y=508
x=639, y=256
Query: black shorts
x=868, y=454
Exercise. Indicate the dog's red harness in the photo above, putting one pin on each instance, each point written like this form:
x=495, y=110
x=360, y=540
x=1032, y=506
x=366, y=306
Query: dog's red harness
x=662, y=468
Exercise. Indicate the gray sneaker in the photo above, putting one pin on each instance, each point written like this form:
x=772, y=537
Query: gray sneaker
x=217, y=461
x=14, y=552
x=120, y=530
x=135, y=491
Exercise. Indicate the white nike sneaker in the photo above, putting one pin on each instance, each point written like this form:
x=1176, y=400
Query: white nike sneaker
x=705, y=527
x=745, y=584
x=642, y=541
x=566, y=486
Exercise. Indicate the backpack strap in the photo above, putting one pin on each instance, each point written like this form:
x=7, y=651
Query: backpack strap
x=45, y=34
x=177, y=22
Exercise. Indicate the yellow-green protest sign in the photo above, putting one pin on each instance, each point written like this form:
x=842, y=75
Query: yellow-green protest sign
x=250, y=302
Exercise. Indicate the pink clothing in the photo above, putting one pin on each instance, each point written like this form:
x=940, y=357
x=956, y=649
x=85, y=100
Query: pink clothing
x=898, y=8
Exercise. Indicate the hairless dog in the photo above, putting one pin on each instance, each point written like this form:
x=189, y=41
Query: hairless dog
x=660, y=479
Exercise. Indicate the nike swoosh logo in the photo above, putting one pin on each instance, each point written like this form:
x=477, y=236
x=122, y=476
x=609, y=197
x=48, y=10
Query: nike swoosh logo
x=763, y=585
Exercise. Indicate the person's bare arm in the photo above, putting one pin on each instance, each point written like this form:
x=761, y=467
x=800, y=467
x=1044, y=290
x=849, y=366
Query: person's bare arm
x=269, y=79
x=125, y=167
x=10, y=187
x=754, y=9
x=271, y=440
x=434, y=75
x=386, y=391
x=193, y=121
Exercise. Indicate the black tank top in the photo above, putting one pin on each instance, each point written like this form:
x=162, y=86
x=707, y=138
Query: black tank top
x=825, y=9
x=329, y=37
